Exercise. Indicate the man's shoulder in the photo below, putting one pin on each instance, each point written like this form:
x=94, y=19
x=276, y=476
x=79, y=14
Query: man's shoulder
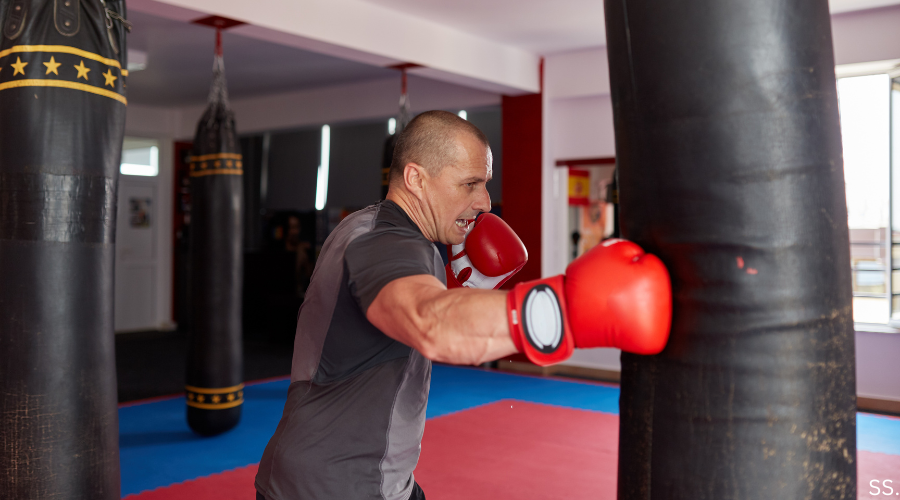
x=364, y=217
x=382, y=235
x=387, y=238
x=351, y=227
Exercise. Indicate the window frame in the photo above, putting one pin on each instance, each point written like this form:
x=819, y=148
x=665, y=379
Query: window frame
x=892, y=69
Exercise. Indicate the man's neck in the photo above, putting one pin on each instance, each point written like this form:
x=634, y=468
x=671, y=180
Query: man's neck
x=413, y=209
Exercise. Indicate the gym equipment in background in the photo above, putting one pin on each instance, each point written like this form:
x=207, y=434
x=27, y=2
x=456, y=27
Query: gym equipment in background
x=400, y=123
x=62, y=96
x=214, y=381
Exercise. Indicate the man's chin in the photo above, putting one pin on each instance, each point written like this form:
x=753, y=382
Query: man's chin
x=454, y=239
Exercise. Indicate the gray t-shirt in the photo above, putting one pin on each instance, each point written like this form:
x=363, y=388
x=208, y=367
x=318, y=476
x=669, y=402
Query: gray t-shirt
x=352, y=425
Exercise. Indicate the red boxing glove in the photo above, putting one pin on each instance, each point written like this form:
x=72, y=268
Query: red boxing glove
x=615, y=295
x=490, y=255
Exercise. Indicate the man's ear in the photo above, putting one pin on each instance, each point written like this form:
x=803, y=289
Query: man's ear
x=414, y=179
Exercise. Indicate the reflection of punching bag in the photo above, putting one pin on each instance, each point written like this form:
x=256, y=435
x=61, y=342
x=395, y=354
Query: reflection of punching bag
x=62, y=118
x=612, y=196
x=214, y=387
x=730, y=170
x=402, y=120
x=386, y=159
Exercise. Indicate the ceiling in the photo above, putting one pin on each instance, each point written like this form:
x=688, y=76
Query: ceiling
x=535, y=25
x=538, y=25
x=179, y=54
x=180, y=57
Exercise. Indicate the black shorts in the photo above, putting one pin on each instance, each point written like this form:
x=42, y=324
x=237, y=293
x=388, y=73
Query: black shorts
x=417, y=493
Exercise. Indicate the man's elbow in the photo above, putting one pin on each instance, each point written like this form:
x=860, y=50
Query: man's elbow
x=437, y=346
x=428, y=344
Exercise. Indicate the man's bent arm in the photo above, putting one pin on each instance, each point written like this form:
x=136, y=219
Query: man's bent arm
x=460, y=326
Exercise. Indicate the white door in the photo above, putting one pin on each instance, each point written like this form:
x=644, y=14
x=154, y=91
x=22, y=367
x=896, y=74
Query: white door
x=137, y=231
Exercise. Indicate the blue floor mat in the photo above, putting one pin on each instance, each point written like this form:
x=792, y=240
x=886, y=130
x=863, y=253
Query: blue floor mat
x=877, y=433
x=158, y=449
x=455, y=389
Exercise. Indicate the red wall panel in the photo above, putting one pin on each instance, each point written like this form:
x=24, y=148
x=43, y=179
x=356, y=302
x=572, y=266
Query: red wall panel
x=522, y=177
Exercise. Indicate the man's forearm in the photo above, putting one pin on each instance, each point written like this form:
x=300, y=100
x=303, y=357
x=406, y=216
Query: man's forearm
x=466, y=326
x=461, y=326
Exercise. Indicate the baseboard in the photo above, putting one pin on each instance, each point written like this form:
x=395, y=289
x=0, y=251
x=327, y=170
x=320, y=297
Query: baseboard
x=519, y=364
x=514, y=364
x=875, y=405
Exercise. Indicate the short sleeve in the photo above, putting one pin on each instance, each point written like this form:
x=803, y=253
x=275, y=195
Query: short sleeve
x=376, y=258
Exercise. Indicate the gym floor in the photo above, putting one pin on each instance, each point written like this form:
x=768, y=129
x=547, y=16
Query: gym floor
x=475, y=443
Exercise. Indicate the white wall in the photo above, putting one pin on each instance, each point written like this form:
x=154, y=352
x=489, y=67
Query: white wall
x=578, y=123
x=340, y=103
x=150, y=122
x=161, y=218
x=877, y=366
x=164, y=212
x=583, y=127
x=868, y=35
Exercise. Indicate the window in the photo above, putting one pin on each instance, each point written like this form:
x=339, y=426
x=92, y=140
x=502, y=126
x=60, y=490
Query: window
x=865, y=107
x=894, y=256
x=140, y=157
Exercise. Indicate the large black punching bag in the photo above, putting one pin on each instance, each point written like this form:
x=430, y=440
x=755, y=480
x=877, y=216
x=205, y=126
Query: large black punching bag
x=214, y=385
x=401, y=122
x=730, y=169
x=62, y=118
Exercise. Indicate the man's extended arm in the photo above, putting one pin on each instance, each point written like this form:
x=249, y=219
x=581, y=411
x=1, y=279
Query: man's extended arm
x=613, y=296
x=460, y=326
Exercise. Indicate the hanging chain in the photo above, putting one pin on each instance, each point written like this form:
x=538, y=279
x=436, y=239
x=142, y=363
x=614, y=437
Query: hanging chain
x=110, y=16
x=403, y=114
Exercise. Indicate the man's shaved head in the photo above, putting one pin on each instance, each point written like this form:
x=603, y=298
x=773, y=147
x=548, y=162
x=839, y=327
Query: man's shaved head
x=430, y=141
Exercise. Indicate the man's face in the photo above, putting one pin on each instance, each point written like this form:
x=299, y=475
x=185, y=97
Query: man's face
x=459, y=193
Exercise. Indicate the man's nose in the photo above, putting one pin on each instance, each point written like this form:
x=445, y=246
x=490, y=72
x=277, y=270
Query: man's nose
x=483, y=203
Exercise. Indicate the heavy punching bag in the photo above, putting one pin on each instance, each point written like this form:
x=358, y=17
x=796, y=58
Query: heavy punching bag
x=730, y=170
x=62, y=118
x=214, y=385
x=401, y=121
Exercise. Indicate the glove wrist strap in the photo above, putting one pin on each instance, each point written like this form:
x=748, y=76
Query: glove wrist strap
x=536, y=312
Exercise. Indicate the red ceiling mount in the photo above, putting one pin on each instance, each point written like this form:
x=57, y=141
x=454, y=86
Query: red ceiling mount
x=403, y=66
x=218, y=22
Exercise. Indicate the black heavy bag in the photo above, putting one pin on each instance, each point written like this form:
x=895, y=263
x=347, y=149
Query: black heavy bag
x=214, y=387
x=401, y=121
x=62, y=118
x=729, y=156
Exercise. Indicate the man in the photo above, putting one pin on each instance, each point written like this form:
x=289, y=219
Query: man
x=377, y=313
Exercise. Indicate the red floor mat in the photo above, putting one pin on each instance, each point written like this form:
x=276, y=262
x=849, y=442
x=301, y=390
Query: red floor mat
x=511, y=449
x=877, y=466
x=235, y=484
